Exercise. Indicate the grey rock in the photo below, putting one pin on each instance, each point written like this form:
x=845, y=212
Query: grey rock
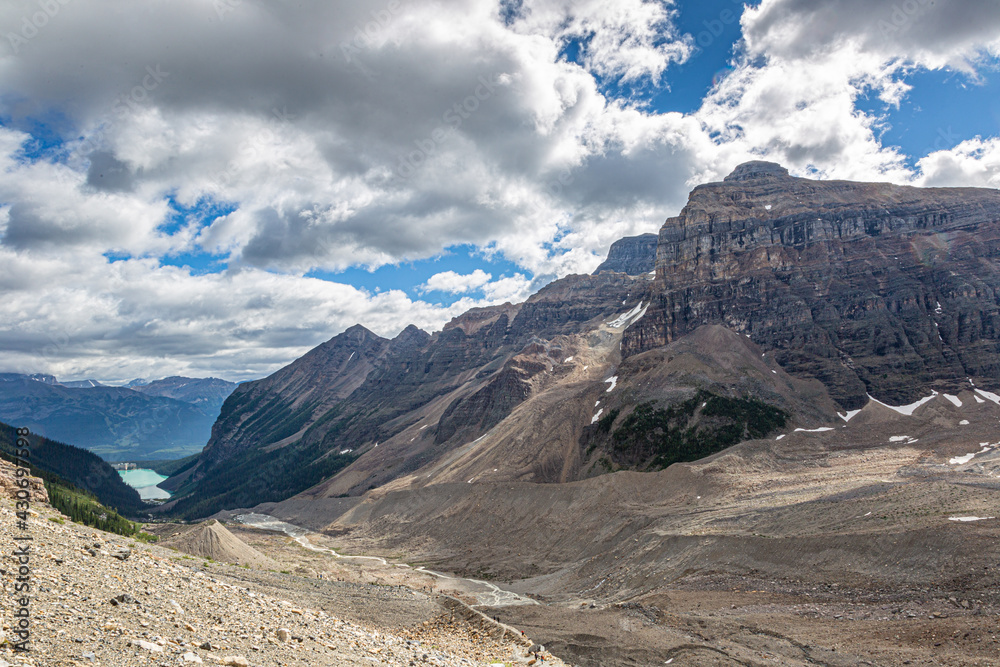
x=634, y=255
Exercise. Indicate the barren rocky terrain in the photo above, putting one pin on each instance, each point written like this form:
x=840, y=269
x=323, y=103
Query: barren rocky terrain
x=100, y=599
x=868, y=541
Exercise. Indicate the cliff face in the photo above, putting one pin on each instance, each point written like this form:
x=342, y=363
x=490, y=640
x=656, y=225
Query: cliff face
x=634, y=255
x=868, y=287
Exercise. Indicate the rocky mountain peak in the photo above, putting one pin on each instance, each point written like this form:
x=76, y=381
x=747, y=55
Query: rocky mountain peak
x=634, y=255
x=358, y=333
x=410, y=339
x=756, y=169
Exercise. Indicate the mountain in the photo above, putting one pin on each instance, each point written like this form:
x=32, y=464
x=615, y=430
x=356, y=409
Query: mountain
x=518, y=382
x=206, y=393
x=37, y=377
x=81, y=384
x=114, y=422
x=634, y=255
x=776, y=301
x=870, y=288
x=788, y=432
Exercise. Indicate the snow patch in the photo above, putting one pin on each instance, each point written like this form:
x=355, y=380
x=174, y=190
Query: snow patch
x=597, y=403
x=350, y=357
x=899, y=438
x=986, y=447
x=346, y=451
x=849, y=415
x=641, y=314
x=979, y=400
x=815, y=430
x=988, y=395
x=767, y=207
x=423, y=427
x=614, y=382
x=964, y=422
x=966, y=519
x=937, y=308
x=567, y=360
x=625, y=318
x=954, y=399
x=780, y=436
x=593, y=420
x=907, y=410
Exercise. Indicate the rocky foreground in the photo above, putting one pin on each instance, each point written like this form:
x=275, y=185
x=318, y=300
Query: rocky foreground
x=101, y=599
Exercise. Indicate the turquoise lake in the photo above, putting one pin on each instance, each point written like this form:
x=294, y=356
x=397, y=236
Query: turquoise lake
x=144, y=481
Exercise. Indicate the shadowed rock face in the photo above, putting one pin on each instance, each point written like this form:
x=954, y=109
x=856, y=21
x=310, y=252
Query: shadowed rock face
x=868, y=287
x=634, y=255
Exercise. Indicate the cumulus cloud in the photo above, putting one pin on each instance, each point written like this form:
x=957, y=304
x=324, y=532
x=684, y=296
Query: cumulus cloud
x=73, y=316
x=931, y=33
x=975, y=162
x=456, y=283
x=792, y=96
x=337, y=134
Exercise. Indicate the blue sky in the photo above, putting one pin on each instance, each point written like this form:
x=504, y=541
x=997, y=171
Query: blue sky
x=394, y=164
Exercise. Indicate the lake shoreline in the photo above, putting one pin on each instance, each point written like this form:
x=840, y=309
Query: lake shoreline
x=145, y=482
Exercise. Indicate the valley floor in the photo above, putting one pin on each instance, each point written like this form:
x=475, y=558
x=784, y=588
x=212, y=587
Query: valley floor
x=716, y=618
x=873, y=541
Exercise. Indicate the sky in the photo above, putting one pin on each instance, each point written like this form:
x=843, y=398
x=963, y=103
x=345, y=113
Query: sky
x=213, y=187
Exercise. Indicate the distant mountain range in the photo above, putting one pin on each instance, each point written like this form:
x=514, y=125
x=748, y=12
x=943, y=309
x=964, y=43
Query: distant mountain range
x=164, y=419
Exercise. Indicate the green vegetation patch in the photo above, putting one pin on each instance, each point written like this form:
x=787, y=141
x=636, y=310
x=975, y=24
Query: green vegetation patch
x=654, y=438
x=84, y=508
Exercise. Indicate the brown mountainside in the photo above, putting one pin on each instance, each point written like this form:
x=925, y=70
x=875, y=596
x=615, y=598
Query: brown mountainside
x=776, y=300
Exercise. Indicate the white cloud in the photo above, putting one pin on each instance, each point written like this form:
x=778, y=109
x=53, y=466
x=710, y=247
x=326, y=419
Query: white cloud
x=345, y=135
x=626, y=39
x=456, y=283
x=77, y=316
x=793, y=94
x=929, y=33
x=975, y=162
